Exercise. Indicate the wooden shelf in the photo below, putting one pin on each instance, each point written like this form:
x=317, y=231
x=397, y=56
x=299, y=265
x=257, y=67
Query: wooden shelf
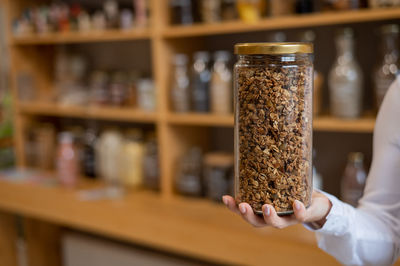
x=323, y=123
x=82, y=37
x=197, y=228
x=106, y=113
x=196, y=119
x=361, y=125
x=287, y=22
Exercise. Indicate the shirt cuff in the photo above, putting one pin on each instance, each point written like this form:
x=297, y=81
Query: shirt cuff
x=336, y=221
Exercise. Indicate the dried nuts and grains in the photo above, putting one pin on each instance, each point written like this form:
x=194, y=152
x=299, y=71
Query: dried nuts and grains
x=273, y=125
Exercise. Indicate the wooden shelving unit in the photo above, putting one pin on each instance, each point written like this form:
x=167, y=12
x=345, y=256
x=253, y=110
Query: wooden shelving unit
x=105, y=113
x=288, y=22
x=175, y=132
x=81, y=37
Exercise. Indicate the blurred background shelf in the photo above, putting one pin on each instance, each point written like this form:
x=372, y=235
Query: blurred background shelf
x=106, y=113
x=332, y=124
x=81, y=37
x=196, y=119
x=286, y=22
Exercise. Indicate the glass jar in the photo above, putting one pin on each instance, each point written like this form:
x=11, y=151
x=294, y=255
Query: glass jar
x=180, y=91
x=273, y=125
x=181, y=12
x=146, y=94
x=353, y=180
x=250, y=10
x=189, y=179
x=218, y=168
x=108, y=157
x=221, y=84
x=201, y=82
x=345, y=79
x=211, y=11
x=151, y=167
x=67, y=160
x=385, y=72
x=132, y=158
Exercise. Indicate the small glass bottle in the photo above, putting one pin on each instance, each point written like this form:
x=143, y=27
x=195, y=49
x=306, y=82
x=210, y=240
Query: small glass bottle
x=88, y=154
x=189, y=179
x=353, y=180
x=200, y=82
x=108, y=157
x=181, y=11
x=385, y=72
x=180, y=91
x=118, y=89
x=98, y=86
x=151, y=168
x=211, y=11
x=218, y=173
x=67, y=160
x=146, y=94
x=221, y=88
x=132, y=158
x=345, y=79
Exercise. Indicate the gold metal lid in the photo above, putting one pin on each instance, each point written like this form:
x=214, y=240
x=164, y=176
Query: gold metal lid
x=274, y=48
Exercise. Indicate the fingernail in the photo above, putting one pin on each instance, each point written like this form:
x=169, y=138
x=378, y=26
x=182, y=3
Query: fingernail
x=267, y=211
x=297, y=205
x=225, y=201
x=242, y=208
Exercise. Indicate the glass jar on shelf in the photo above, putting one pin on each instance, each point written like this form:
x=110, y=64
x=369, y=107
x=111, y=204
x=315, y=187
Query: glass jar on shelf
x=181, y=12
x=345, y=78
x=281, y=8
x=189, y=177
x=118, y=89
x=98, y=87
x=146, y=94
x=211, y=11
x=132, y=158
x=228, y=10
x=250, y=10
x=218, y=167
x=386, y=70
x=200, y=85
x=67, y=160
x=221, y=87
x=88, y=153
x=151, y=167
x=108, y=158
x=180, y=87
x=353, y=180
x=273, y=125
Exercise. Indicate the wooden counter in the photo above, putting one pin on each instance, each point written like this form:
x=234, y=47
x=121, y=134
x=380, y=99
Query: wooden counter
x=190, y=227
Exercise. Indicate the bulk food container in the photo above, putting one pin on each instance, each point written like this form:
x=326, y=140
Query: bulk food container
x=273, y=124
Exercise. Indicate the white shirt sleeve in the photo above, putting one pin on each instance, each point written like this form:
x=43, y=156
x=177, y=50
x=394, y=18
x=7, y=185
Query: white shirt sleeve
x=370, y=234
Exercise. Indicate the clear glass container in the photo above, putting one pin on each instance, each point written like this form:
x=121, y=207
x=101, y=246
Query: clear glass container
x=181, y=12
x=353, y=180
x=221, y=84
x=180, y=90
x=108, y=157
x=385, y=72
x=88, y=153
x=151, y=167
x=146, y=94
x=345, y=79
x=218, y=168
x=132, y=158
x=211, y=11
x=201, y=82
x=189, y=180
x=67, y=160
x=273, y=124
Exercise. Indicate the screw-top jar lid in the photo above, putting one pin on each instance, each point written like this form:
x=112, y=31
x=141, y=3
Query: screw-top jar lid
x=274, y=48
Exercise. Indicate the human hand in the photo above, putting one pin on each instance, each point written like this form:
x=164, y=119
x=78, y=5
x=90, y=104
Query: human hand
x=316, y=213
